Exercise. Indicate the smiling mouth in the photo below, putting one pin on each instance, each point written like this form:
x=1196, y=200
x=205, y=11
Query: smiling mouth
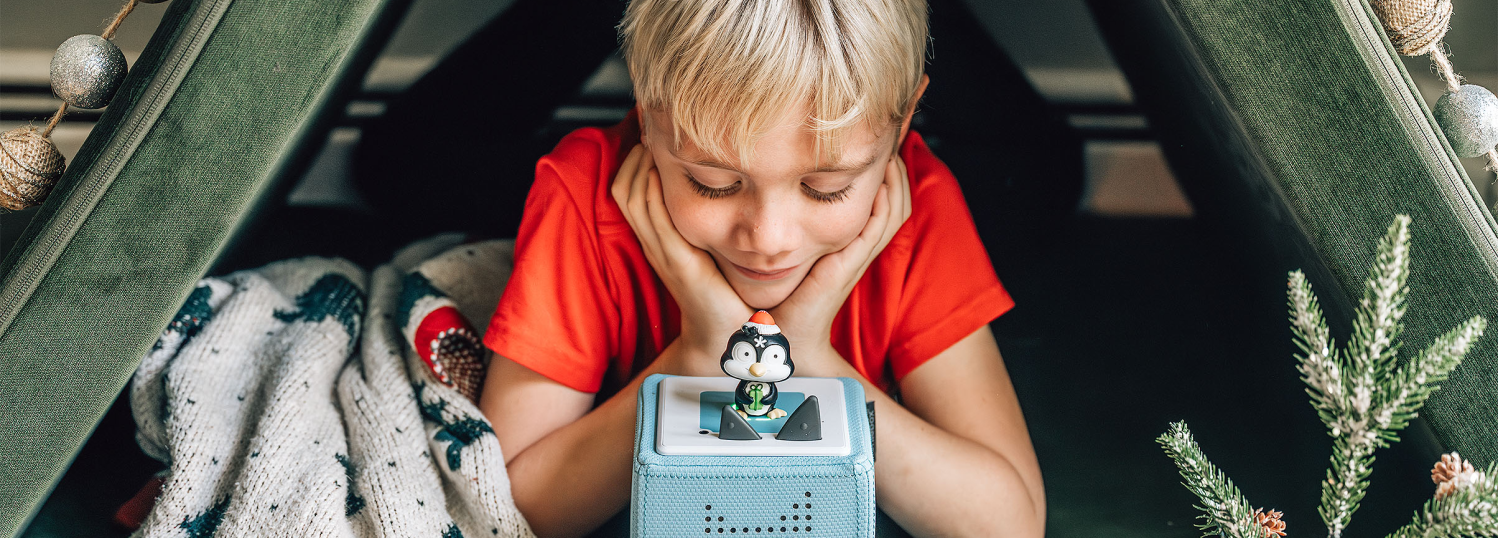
x=757, y=275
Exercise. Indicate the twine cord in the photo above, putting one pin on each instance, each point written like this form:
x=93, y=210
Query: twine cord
x=108, y=33
x=56, y=117
x=1444, y=68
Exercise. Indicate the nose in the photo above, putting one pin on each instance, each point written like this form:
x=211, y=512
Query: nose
x=758, y=369
x=769, y=229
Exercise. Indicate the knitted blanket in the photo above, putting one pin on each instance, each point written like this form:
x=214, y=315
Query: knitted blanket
x=308, y=398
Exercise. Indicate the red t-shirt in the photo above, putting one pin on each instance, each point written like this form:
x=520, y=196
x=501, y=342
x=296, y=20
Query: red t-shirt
x=584, y=308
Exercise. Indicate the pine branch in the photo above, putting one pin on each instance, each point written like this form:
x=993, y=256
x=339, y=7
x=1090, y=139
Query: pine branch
x=1347, y=479
x=1360, y=425
x=1319, y=364
x=1365, y=397
x=1223, y=507
x=1375, y=336
x=1417, y=380
x=1470, y=510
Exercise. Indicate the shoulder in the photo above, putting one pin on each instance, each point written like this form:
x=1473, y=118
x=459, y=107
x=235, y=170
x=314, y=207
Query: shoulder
x=583, y=164
x=936, y=201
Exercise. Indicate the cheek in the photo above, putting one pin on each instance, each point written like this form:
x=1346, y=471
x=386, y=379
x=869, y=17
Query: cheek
x=694, y=217
x=836, y=225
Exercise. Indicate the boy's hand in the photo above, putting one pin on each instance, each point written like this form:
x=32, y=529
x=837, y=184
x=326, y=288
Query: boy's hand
x=710, y=309
x=806, y=316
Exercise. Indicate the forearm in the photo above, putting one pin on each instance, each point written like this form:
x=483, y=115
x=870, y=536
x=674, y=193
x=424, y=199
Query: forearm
x=936, y=483
x=573, y=479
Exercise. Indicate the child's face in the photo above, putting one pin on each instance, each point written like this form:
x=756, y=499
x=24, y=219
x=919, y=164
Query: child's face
x=767, y=223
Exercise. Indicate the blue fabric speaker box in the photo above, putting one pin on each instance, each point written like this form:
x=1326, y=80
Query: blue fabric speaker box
x=687, y=481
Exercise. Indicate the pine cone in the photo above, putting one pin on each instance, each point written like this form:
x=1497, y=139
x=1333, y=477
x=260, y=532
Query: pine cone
x=1452, y=474
x=1270, y=522
x=1449, y=466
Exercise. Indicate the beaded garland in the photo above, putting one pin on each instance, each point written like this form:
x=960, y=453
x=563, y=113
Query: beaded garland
x=85, y=73
x=1467, y=113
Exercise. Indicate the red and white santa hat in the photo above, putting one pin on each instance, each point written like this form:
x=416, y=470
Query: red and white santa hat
x=762, y=322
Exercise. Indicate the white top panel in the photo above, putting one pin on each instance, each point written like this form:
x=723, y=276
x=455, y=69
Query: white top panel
x=678, y=420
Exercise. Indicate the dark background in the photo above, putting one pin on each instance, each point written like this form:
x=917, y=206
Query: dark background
x=1135, y=309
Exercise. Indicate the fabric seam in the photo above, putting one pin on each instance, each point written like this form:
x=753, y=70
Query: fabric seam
x=1449, y=168
x=32, y=268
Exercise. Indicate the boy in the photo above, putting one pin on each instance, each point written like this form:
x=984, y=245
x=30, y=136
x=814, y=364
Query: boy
x=768, y=165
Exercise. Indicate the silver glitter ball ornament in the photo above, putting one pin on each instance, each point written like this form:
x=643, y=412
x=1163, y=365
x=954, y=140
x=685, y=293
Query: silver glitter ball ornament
x=1469, y=116
x=86, y=71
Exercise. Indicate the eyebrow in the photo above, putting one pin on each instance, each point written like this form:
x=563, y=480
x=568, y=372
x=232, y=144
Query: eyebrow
x=824, y=168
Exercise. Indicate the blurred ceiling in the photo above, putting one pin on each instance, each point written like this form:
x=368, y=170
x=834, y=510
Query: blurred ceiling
x=1055, y=41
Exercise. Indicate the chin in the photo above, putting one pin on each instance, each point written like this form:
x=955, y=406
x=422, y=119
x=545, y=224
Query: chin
x=761, y=298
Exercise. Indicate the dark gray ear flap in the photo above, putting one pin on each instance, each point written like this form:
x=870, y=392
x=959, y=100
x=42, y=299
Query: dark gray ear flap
x=733, y=427
x=805, y=424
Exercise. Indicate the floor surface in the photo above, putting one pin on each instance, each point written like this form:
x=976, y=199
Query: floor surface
x=1122, y=326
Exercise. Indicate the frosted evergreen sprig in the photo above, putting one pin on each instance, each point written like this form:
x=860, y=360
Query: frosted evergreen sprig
x=1365, y=397
x=1223, y=507
x=1321, y=365
x=1413, y=383
x=1469, y=510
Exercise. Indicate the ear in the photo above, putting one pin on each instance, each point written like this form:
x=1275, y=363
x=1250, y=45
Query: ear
x=905, y=125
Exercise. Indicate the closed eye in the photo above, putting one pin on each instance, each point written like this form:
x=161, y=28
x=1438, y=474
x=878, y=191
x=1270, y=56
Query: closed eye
x=828, y=197
x=719, y=192
x=712, y=192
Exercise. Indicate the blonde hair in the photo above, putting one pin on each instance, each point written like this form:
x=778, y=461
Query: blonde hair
x=727, y=69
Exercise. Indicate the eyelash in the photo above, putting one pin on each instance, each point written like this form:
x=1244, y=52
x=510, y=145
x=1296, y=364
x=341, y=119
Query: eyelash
x=827, y=197
x=710, y=192
x=824, y=197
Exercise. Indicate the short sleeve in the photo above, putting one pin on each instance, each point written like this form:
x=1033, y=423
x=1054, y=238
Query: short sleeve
x=950, y=288
x=557, y=316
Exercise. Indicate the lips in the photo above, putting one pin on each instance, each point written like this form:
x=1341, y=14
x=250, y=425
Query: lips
x=762, y=275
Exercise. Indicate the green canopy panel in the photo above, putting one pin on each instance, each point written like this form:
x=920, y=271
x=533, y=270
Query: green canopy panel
x=1295, y=124
x=227, y=100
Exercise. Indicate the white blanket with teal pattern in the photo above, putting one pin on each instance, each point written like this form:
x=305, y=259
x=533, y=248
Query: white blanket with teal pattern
x=292, y=400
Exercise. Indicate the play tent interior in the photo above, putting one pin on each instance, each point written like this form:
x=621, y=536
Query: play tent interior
x=1293, y=128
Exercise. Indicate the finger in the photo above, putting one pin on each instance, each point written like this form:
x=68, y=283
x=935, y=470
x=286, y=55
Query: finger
x=862, y=247
x=670, y=239
x=624, y=185
x=842, y=269
x=646, y=228
x=638, y=186
x=905, y=190
x=902, y=204
x=620, y=187
x=887, y=222
x=899, y=201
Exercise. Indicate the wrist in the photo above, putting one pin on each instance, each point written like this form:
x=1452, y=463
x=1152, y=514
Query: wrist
x=682, y=357
x=822, y=361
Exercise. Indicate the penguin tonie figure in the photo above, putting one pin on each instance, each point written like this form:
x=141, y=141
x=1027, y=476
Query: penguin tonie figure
x=758, y=356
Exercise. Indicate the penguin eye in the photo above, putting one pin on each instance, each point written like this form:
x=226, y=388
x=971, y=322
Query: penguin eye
x=773, y=355
x=743, y=351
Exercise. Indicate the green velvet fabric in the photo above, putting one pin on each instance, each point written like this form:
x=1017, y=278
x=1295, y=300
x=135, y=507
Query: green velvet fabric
x=1297, y=119
x=228, y=99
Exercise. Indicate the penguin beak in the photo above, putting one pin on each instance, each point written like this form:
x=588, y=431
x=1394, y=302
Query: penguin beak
x=758, y=369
